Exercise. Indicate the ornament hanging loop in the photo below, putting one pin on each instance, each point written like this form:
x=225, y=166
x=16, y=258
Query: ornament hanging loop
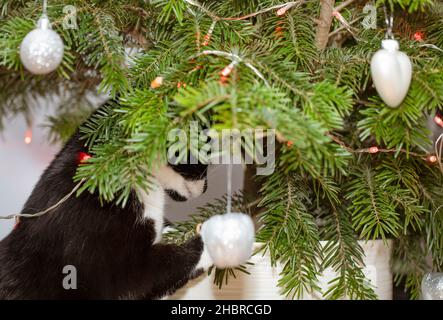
x=45, y=6
x=229, y=189
x=390, y=27
x=389, y=24
x=43, y=22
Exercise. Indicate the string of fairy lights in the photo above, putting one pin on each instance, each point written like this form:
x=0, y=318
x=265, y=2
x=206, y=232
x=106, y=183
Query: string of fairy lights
x=280, y=10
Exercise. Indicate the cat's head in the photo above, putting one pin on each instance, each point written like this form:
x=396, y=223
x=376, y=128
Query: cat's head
x=183, y=181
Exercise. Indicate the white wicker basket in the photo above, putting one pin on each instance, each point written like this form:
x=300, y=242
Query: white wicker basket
x=262, y=283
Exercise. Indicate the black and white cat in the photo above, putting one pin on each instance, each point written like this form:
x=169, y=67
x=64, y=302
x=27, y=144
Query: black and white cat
x=116, y=252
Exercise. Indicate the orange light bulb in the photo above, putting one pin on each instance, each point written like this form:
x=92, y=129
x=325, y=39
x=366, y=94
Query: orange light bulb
x=438, y=121
x=28, y=136
x=373, y=150
x=281, y=11
x=433, y=159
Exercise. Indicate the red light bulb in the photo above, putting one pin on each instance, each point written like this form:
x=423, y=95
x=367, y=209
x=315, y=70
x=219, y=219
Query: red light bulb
x=83, y=156
x=418, y=36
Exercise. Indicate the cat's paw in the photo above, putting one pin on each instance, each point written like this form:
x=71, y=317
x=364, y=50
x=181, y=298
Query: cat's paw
x=205, y=261
x=198, y=246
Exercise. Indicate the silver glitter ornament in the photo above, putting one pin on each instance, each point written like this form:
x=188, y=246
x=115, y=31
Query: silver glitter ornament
x=432, y=286
x=41, y=51
x=229, y=238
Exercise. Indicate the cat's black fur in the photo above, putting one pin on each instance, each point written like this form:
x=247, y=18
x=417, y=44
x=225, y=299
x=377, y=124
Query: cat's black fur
x=113, y=249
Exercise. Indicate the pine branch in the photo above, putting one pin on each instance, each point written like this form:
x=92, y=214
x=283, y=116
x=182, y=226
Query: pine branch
x=290, y=234
x=319, y=100
x=373, y=213
x=345, y=256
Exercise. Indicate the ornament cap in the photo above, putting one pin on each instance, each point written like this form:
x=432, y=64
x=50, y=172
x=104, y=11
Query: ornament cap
x=390, y=45
x=43, y=22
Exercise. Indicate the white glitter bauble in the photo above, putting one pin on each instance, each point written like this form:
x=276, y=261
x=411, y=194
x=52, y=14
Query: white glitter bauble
x=432, y=286
x=41, y=51
x=229, y=239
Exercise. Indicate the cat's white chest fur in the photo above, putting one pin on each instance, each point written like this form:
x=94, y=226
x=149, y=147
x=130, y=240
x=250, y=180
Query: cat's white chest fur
x=154, y=203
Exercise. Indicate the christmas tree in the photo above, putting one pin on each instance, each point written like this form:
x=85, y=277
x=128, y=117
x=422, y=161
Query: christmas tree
x=350, y=165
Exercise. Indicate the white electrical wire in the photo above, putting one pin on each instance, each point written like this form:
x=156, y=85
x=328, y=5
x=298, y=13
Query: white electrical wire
x=41, y=213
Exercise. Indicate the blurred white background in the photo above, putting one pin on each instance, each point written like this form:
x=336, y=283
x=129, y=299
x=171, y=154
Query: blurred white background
x=22, y=164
